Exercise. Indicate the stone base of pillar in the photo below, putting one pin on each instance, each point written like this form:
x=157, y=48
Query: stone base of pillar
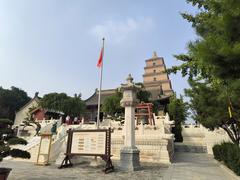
x=129, y=159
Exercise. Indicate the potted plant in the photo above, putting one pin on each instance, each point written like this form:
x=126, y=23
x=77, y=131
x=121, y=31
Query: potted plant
x=8, y=138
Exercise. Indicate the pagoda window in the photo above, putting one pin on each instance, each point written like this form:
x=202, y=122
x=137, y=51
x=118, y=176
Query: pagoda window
x=154, y=79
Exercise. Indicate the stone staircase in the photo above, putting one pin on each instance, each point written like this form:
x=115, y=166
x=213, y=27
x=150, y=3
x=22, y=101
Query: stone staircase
x=193, y=148
x=32, y=147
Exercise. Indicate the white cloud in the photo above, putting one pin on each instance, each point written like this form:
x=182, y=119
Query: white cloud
x=118, y=31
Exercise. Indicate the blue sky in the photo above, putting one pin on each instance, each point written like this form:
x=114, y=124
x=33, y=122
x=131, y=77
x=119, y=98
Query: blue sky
x=53, y=45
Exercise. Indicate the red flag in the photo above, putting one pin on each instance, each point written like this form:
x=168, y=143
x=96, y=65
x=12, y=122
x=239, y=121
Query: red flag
x=99, y=64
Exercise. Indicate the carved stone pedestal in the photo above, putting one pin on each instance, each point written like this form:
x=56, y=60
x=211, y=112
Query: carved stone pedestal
x=129, y=159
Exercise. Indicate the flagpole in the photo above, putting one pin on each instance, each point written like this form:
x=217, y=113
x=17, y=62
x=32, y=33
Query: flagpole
x=100, y=88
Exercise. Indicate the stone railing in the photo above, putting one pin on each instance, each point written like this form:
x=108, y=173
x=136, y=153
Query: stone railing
x=200, y=136
x=154, y=142
x=153, y=148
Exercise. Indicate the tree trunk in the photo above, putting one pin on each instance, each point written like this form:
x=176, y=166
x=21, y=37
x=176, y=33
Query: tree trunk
x=232, y=135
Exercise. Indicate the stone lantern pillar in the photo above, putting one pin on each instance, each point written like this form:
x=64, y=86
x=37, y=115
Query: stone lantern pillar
x=129, y=154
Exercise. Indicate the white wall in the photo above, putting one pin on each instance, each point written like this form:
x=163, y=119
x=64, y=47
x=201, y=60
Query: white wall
x=22, y=114
x=201, y=136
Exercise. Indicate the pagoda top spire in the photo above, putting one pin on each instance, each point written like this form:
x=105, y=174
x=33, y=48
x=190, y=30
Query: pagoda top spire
x=155, y=54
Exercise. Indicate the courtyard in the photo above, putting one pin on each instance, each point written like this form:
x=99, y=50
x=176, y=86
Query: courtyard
x=187, y=166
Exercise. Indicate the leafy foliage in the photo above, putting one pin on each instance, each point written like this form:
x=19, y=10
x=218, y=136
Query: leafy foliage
x=111, y=104
x=19, y=153
x=216, y=52
x=5, y=127
x=228, y=153
x=11, y=100
x=15, y=140
x=72, y=106
x=210, y=106
x=178, y=111
x=142, y=94
x=212, y=65
x=29, y=121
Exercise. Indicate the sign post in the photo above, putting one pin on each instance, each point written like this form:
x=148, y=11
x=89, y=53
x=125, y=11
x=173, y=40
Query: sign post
x=94, y=142
x=44, y=149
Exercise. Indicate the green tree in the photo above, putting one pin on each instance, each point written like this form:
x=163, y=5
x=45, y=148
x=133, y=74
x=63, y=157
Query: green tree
x=11, y=101
x=216, y=51
x=212, y=64
x=111, y=104
x=142, y=94
x=211, y=104
x=178, y=111
x=72, y=106
x=29, y=121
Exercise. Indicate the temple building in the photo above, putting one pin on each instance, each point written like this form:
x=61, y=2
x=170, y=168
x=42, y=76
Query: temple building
x=155, y=80
x=33, y=109
x=92, y=103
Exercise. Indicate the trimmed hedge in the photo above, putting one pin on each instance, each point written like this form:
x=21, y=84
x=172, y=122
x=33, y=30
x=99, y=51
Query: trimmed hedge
x=230, y=154
x=16, y=140
x=19, y=153
x=6, y=122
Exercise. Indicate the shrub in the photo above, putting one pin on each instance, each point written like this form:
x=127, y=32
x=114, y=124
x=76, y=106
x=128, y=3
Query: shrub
x=230, y=154
x=6, y=122
x=14, y=141
x=217, y=152
x=7, y=138
x=20, y=153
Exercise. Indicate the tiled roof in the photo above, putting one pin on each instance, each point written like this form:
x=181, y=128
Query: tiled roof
x=155, y=94
x=36, y=98
x=93, y=100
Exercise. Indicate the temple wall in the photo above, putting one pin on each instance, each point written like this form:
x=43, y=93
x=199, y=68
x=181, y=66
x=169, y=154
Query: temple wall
x=22, y=114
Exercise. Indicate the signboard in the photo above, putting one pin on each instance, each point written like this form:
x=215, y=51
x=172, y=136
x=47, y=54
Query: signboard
x=92, y=142
x=89, y=143
x=44, y=149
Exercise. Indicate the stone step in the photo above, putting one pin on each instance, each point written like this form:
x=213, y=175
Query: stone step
x=178, y=147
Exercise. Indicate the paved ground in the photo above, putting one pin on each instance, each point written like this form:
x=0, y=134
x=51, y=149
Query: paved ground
x=187, y=166
x=196, y=166
x=28, y=171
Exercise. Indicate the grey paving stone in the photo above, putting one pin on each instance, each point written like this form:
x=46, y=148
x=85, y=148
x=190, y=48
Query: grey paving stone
x=187, y=166
x=28, y=171
x=195, y=166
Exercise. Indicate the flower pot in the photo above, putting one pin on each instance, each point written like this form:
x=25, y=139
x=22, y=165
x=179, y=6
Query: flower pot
x=4, y=172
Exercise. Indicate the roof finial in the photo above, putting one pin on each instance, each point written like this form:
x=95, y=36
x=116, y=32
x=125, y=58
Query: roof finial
x=36, y=94
x=154, y=54
x=129, y=79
